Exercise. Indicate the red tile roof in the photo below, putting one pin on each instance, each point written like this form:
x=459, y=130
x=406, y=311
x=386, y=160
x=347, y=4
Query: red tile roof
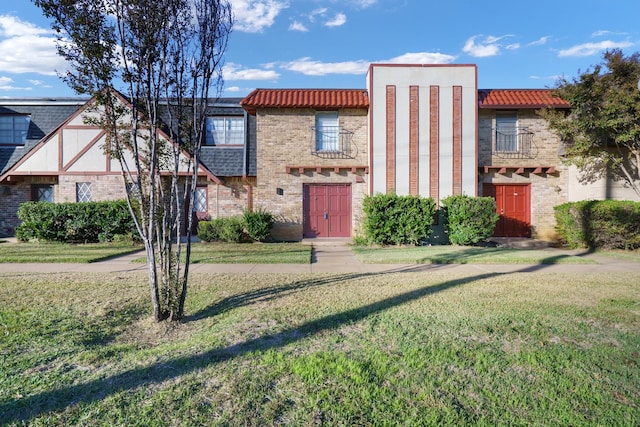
x=305, y=98
x=519, y=98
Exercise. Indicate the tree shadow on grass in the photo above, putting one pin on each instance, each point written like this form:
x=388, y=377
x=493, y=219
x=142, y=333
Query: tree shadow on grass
x=97, y=389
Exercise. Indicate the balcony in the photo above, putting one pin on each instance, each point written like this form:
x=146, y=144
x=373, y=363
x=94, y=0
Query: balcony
x=514, y=143
x=332, y=142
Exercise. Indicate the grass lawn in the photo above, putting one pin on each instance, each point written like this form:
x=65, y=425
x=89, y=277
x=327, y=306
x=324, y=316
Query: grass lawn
x=448, y=254
x=430, y=348
x=60, y=252
x=222, y=253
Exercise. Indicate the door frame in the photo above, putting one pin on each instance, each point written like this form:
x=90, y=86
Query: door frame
x=307, y=231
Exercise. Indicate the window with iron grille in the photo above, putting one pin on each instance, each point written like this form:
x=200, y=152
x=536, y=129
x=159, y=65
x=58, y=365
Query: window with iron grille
x=42, y=193
x=14, y=128
x=225, y=130
x=83, y=191
x=507, y=132
x=327, y=132
x=200, y=201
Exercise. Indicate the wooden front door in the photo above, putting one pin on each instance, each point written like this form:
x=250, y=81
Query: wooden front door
x=513, y=204
x=327, y=210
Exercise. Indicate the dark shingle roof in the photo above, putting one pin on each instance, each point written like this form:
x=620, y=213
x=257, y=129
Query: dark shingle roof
x=46, y=115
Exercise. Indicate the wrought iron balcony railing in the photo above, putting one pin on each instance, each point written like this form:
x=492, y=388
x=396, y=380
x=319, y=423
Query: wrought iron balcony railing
x=331, y=142
x=514, y=143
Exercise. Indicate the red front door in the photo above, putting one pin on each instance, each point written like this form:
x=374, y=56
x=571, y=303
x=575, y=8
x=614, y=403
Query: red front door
x=327, y=210
x=513, y=204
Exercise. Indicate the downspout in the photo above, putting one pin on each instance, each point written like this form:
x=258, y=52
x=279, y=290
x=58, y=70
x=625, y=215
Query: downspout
x=245, y=157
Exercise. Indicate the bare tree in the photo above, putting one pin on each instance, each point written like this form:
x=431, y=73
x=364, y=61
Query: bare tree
x=150, y=66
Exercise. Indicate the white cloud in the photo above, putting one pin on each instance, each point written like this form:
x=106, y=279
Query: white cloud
x=540, y=41
x=588, y=49
x=26, y=48
x=337, y=21
x=232, y=89
x=489, y=46
x=298, y=26
x=363, y=4
x=309, y=67
x=233, y=72
x=6, y=83
x=600, y=33
x=317, y=12
x=421, y=58
x=513, y=46
x=253, y=16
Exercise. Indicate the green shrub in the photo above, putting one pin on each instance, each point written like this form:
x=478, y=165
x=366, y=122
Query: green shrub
x=229, y=230
x=607, y=224
x=87, y=222
x=392, y=219
x=469, y=220
x=258, y=224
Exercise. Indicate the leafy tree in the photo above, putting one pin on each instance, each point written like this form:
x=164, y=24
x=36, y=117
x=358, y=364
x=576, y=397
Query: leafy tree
x=164, y=56
x=602, y=131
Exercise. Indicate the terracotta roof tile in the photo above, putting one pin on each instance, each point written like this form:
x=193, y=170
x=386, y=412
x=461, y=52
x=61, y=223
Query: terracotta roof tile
x=305, y=98
x=519, y=98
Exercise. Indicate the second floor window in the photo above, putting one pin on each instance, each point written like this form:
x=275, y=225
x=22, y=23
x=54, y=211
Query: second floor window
x=225, y=130
x=327, y=131
x=14, y=128
x=507, y=132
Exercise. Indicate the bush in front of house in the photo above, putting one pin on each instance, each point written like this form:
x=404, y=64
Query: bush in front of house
x=469, y=220
x=86, y=222
x=606, y=224
x=230, y=230
x=258, y=224
x=398, y=220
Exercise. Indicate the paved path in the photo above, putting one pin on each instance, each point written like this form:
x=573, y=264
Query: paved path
x=334, y=256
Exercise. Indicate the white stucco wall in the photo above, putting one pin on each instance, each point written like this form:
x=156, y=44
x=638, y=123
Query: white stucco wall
x=402, y=77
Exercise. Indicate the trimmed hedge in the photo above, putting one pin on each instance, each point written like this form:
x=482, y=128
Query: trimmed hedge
x=469, y=220
x=230, y=230
x=606, y=224
x=398, y=220
x=258, y=224
x=86, y=222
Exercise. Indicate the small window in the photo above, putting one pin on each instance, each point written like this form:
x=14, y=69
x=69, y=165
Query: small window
x=225, y=130
x=42, y=193
x=83, y=192
x=200, y=202
x=327, y=132
x=507, y=132
x=14, y=129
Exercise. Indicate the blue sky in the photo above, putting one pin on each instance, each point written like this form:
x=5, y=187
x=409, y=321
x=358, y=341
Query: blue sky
x=330, y=43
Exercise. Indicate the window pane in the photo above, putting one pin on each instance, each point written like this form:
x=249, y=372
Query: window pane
x=83, y=192
x=225, y=130
x=42, y=193
x=14, y=128
x=507, y=132
x=200, y=202
x=327, y=131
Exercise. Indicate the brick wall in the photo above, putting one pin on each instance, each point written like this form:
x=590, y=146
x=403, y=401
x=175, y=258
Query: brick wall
x=547, y=190
x=285, y=138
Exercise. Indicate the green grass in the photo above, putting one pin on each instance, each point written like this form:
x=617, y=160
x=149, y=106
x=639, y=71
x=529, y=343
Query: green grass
x=251, y=253
x=447, y=254
x=430, y=348
x=63, y=253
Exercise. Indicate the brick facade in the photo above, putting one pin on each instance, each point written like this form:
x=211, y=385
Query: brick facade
x=547, y=189
x=285, y=162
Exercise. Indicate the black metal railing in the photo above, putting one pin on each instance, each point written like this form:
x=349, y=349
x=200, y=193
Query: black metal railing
x=331, y=142
x=514, y=143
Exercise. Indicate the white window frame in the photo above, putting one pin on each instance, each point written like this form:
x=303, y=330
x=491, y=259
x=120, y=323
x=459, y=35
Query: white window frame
x=506, y=133
x=327, y=132
x=225, y=130
x=83, y=192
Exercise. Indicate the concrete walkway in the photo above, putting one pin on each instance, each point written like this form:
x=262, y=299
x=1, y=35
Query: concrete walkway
x=335, y=256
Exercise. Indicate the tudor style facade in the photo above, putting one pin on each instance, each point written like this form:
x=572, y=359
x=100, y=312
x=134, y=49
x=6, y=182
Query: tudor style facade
x=56, y=156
